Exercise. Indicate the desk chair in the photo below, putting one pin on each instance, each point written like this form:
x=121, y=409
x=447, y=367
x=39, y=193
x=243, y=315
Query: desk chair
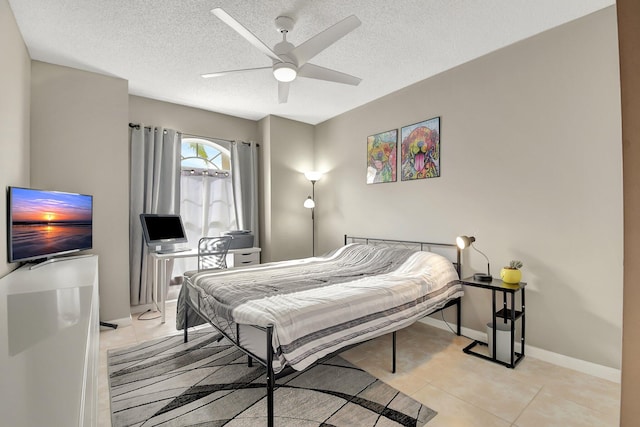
x=212, y=254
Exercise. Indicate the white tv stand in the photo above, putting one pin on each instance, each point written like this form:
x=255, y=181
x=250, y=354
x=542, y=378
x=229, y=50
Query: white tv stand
x=49, y=344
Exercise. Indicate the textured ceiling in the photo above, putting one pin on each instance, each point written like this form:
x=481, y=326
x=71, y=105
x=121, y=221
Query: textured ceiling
x=162, y=47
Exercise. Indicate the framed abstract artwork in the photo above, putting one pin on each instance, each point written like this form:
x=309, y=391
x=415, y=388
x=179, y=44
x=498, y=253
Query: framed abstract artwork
x=421, y=150
x=382, y=157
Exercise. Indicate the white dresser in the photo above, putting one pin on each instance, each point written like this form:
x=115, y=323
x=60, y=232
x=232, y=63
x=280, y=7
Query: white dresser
x=49, y=336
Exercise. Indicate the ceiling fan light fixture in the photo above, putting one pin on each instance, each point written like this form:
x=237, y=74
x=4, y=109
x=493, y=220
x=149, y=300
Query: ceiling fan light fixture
x=284, y=72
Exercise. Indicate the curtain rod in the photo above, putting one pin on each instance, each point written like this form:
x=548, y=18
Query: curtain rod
x=137, y=126
x=206, y=137
x=219, y=139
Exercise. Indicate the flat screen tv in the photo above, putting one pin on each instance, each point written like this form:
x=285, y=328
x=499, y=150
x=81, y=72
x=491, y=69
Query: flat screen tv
x=162, y=229
x=42, y=224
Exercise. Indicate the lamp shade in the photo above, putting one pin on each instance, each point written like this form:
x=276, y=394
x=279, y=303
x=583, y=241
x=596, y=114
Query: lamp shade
x=464, y=241
x=313, y=176
x=284, y=72
x=309, y=203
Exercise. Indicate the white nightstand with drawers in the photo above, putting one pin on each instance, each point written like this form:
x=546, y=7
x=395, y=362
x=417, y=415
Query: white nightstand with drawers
x=243, y=257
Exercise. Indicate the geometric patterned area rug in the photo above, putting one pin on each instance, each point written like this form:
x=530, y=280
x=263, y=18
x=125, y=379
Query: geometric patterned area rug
x=166, y=382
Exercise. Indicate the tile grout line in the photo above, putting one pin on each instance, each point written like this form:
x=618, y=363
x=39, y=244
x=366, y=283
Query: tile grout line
x=587, y=408
x=528, y=404
x=470, y=404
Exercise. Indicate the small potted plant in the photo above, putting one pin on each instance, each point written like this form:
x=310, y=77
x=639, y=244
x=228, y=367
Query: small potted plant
x=512, y=273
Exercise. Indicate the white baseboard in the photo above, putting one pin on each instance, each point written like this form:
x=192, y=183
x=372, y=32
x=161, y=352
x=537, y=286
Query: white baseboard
x=125, y=321
x=604, y=372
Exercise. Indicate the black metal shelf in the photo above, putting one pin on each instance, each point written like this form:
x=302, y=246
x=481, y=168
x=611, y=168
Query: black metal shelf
x=468, y=350
x=507, y=313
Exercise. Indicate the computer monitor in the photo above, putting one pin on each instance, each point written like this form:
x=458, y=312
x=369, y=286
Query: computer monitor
x=162, y=229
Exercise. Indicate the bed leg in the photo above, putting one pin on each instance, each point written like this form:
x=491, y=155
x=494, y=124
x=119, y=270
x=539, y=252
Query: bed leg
x=459, y=316
x=186, y=322
x=393, y=351
x=270, y=377
x=249, y=361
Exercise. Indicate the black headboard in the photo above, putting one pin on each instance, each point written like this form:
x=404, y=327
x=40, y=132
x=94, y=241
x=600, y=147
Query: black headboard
x=444, y=249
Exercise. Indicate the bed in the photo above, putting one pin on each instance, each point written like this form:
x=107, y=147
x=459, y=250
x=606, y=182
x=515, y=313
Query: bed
x=293, y=313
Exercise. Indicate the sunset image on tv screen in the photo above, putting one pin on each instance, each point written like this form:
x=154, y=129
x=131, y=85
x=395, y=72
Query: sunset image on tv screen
x=46, y=222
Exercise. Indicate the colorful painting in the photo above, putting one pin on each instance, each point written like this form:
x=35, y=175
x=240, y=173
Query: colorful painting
x=421, y=150
x=382, y=157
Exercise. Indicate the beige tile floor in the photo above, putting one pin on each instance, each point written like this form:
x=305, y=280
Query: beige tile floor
x=464, y=390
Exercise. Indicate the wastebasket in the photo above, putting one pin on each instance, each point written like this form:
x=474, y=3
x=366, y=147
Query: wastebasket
x=503, y=341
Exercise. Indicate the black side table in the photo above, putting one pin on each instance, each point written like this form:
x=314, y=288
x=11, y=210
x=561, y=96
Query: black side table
x=506, y=313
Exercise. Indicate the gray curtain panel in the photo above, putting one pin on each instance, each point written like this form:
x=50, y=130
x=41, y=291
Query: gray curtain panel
x=244, y=161
x=154, y=188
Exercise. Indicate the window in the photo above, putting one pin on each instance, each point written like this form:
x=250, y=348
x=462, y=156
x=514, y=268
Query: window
x=206, y=193
x=206, y=206
x=201, y=154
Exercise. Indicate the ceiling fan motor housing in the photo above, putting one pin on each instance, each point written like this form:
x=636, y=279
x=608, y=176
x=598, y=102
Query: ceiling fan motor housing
x=283, y=48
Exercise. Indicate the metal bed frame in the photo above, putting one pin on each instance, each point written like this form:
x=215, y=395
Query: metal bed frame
x=268, y=330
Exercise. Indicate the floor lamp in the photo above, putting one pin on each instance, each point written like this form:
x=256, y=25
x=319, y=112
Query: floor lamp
x=310, y=203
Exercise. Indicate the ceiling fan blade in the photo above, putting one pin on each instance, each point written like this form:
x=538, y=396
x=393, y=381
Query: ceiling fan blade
x=244, y=32
x=317, y=72
x=224, y=73
x=321, y=41
x=283, y=92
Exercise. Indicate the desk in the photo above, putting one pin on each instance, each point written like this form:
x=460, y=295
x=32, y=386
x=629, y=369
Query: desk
x=235, y=258
x=507, y=312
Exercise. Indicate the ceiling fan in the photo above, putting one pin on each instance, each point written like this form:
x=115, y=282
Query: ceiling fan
x=291, y=61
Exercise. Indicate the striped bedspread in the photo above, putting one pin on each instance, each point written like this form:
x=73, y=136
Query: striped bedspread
x=319, y=305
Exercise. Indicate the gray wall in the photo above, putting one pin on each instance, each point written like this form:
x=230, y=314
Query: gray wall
x=15, y=78
x=286, y=153
x=531, y=165
x=191, y=120
x=79, y=144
